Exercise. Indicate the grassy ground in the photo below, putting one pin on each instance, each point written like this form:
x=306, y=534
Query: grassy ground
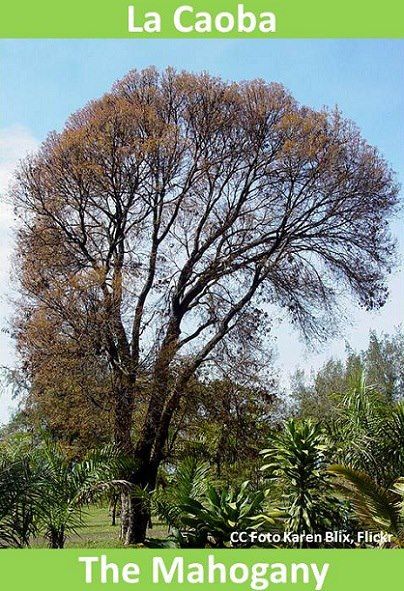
x=99, y=533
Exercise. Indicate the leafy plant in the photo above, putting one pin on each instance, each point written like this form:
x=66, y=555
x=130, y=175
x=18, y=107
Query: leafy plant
x=68, y=486
x=368, y=433
x=221, y=512
x=190, y=480
x=390, y=438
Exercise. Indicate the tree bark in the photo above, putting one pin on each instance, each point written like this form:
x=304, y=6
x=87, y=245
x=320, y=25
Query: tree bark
x=113, y=508
x=123, y=418
x=57, y=538
x=135, y=509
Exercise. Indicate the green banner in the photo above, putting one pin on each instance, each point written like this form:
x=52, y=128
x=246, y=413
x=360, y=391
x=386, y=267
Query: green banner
x=310, y=570
x=202, y=18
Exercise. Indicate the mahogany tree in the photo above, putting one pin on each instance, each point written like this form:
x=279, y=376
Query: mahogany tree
x=169, y=217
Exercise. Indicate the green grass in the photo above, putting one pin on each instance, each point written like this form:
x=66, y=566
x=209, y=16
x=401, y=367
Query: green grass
x=99, y=533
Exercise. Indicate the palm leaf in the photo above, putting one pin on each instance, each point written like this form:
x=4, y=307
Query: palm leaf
x=376, y=507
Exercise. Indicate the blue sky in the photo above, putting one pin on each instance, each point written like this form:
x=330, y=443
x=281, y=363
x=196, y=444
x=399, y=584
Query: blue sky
x=43, y=81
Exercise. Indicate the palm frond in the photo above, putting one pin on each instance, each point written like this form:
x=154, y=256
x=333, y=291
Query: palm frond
x=377, y=508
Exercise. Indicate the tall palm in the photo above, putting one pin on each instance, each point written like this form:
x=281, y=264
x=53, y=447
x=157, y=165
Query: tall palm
x=20, y=499
x=368, y=433
x=69, y=485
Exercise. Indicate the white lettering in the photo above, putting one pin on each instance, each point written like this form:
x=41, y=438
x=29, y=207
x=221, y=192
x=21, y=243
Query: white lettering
x=152, y=23
x=319, y=575
x=267, y=23
x=246, y=20
x=177, y=19
x=88, y=560
x=176, y=570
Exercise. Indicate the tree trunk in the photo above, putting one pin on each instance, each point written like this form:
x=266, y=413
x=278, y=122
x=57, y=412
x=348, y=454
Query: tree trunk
x=136, y=517
x=123, y=416
x=57, y=538
x=146, y=474
x=148, y=456
x=113, y=508
x=138, y=520
x=148, y=452
x=123, y=419
x=125, y=513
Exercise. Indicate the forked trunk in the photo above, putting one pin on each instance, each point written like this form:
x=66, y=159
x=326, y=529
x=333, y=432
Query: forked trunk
x=148, y=452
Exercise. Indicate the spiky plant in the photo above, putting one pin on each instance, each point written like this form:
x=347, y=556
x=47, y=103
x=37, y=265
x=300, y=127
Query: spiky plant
x=295, y=469
x=222, y=511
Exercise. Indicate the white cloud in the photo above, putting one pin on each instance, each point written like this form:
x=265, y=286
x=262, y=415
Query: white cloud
x=15, y=143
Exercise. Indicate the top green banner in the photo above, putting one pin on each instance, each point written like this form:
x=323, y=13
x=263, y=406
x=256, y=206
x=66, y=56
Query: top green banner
x=202, y=19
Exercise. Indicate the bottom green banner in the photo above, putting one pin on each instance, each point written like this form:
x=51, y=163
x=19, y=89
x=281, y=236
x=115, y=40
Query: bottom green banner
x=255, y=569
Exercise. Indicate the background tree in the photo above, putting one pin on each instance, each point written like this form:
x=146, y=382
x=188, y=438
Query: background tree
x=169, y=217
x=379, y=367
x=384, y=363
x=227, y=425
